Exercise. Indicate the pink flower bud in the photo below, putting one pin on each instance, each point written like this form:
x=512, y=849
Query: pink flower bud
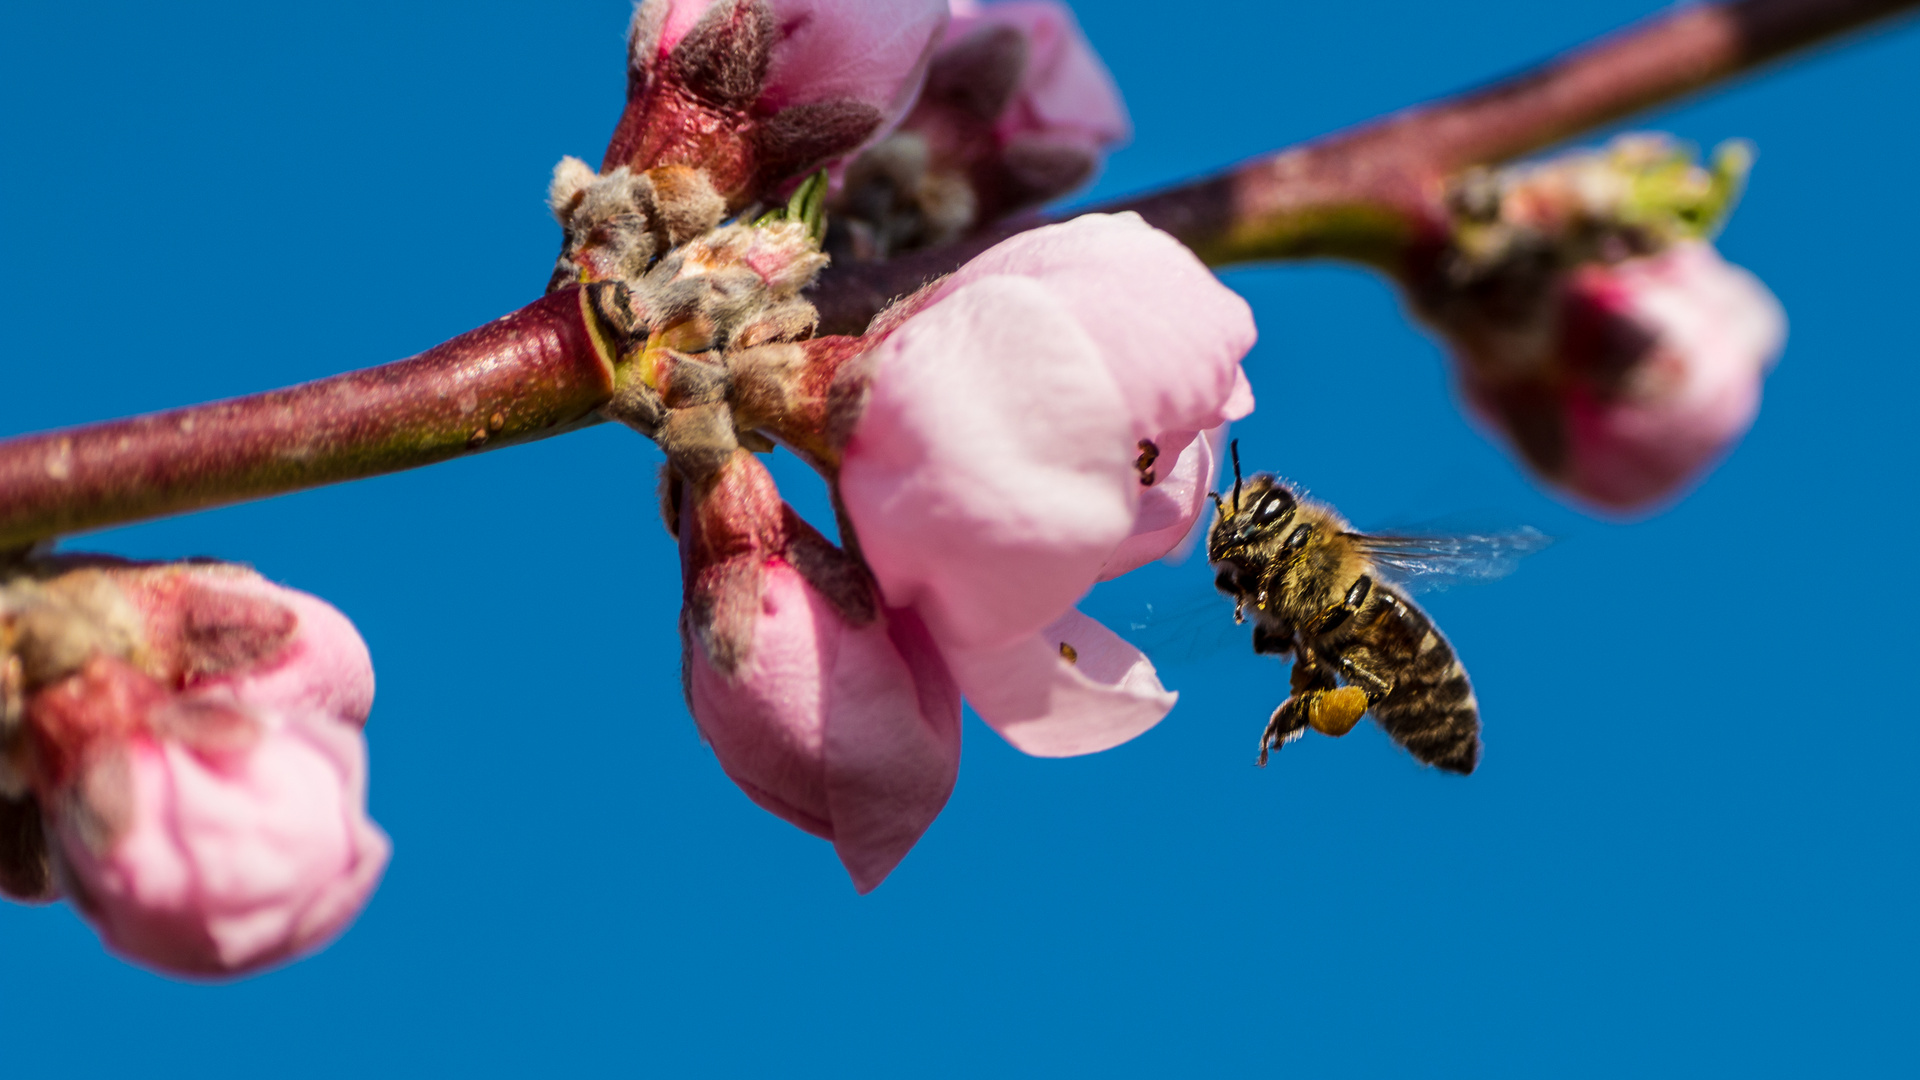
x=1018, y=110
x=204, y=793
x=1655, y=372
x=828, y=711
x=1063, y=111
x=1018, y=420
x=756, y=92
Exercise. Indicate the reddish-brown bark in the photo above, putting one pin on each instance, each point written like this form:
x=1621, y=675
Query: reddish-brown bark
x=523, y=377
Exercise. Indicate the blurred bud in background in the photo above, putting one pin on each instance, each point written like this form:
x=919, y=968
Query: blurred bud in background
x=1018, y=110
x=183, y=760
x=1595, y=326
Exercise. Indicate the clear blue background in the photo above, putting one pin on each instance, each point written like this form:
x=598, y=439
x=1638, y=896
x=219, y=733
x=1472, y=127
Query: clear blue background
x=1690, y=850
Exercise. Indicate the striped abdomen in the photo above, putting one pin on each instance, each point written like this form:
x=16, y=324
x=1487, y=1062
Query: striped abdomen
x=1430, y=709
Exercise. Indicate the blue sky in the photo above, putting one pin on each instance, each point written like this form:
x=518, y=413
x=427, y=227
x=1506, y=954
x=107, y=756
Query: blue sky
x=1690, y=850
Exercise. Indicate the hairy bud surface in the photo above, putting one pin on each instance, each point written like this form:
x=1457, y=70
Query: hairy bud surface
x=185, y=762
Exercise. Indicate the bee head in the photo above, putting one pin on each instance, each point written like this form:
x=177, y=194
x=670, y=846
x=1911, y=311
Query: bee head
x=1262, y=506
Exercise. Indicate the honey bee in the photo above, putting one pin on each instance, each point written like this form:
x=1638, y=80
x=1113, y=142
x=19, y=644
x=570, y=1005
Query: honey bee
x=1328, y=595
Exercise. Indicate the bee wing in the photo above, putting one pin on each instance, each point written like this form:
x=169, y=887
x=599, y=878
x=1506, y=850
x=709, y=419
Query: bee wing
x=1177, y=635
x=1426, y=563
x=1186, y=621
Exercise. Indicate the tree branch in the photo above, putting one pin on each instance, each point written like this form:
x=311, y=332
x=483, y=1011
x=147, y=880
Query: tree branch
x=1368, y=193
x=1365, y=194
x=532, y=374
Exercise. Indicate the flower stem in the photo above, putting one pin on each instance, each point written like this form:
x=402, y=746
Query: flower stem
x=1368, y=194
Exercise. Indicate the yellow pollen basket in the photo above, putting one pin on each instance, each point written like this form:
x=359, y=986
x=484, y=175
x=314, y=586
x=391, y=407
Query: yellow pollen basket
x=1336, y=711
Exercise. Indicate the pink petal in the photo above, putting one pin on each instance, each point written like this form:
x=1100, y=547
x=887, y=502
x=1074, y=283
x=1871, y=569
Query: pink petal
x=767, y=723
x=1239, y=403
x=1714, y=331
x=1171, y=509
x=989, y=478
x=893, y=745
x=681, y=15
x=326, y=669
x=1066, y=88
x=1049, y=707
x=852, y=734
x=1171, y=334
x=306, y=657
x=871, y=51
x=223, y=865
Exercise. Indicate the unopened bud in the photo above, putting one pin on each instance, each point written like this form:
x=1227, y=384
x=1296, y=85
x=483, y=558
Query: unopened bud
x=687, y=325
x=1018, y=110
x=184, y=723
x=1638, y=196
x=827, y=711
x=756, y=92
x=1593, y=323
x=617, y=225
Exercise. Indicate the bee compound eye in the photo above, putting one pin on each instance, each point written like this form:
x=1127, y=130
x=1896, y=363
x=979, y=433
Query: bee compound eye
x=1277, y=503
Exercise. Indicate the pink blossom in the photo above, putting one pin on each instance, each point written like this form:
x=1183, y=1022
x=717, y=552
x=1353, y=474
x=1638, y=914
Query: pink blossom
x=997, y=471
x=205, y=796
x=1657, y=373
x=758, y=91
x=830, y=712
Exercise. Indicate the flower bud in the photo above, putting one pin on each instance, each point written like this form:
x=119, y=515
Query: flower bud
x=724, y=303
x=757, y=92
x=617, y=225
x=1655, y=373
x=1018, y=110
x=1593, y=323
x=198, y=770
x=828, y=711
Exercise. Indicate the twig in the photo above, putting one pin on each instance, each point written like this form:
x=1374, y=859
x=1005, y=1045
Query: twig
x=532, y=374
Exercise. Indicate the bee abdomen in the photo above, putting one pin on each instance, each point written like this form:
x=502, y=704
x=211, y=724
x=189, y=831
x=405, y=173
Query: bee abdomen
x=1430, y=709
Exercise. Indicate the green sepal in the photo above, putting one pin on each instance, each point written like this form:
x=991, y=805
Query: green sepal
x=807, y=205
x=1672, y=196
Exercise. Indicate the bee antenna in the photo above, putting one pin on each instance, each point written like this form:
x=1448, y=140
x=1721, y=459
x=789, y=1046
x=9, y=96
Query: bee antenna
x=1219, y=506
x=1235, y=447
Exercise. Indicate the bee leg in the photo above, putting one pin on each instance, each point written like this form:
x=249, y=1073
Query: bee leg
x=1329, y=712
x=1311, y=679
x=1288, y=722
x=1268, y=643
x=1332, y=618
x=1318, y=701
x=1375, y=686
x=1310, y=673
